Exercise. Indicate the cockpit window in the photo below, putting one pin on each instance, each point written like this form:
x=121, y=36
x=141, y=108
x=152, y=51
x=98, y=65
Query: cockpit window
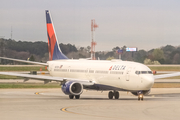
x=143, y=72
x=137, y=72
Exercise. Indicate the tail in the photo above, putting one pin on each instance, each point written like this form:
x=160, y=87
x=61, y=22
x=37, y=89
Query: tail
x=55, y=52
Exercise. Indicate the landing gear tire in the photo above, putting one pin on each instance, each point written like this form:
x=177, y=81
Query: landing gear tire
x=77, y=96
x=71, y=96
x=110, y=95
x=140, y=97
x=116, y=95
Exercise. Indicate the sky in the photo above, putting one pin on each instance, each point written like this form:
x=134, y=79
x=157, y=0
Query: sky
x=145, y=24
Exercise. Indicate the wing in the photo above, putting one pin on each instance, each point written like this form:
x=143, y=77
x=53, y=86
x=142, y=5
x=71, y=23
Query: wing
x=25, y=61
x=166, y=75
x=47, y=79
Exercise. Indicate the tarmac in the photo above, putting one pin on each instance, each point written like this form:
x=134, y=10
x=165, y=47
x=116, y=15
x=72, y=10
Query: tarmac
x=52, y=104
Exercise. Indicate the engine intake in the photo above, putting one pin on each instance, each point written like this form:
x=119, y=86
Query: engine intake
x=72, y=88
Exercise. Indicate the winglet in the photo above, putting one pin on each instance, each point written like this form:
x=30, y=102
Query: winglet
x=55, y=52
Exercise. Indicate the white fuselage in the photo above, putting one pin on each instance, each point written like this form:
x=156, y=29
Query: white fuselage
x=130, y=76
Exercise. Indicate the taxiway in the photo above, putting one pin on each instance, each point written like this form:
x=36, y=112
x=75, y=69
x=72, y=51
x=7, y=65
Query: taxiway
x=52, y=104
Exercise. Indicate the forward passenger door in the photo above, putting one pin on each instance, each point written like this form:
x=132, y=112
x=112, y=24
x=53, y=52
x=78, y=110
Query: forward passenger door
x=128, y=74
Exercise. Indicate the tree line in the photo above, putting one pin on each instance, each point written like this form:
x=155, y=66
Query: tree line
x=38, y=51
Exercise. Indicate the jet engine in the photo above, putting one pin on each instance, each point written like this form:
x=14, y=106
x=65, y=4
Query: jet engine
x=72, y=88
x=145, y=92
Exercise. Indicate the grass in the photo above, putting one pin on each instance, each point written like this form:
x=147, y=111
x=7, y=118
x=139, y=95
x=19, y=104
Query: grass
x=19, y=68
x=28, y=85
x=9, y=77
x=166, y=85
x=22, y=68
x=164, y=68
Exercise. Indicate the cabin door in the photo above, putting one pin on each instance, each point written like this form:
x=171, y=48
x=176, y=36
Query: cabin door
x=87, y=73
x=128, y=74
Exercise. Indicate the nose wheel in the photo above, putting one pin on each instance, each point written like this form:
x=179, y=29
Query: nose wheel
x=140, y=97
x=114, y=94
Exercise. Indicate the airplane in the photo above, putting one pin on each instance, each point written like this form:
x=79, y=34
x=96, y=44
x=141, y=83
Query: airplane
x=101, y=75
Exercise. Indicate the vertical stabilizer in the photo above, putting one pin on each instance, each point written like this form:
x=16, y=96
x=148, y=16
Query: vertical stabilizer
x=55, y=52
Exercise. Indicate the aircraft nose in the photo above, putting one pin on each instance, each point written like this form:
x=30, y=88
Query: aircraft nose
x=149, y=81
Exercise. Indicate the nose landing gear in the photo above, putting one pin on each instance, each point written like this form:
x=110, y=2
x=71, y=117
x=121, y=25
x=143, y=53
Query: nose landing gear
x=114, y=94
x=140, y=95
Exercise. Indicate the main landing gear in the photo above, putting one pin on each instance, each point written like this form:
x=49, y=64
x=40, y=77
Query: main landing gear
x=72, y=96
x=114, y=94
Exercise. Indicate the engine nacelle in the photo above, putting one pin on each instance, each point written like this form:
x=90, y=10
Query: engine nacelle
x=72, y=88
x=145, y=92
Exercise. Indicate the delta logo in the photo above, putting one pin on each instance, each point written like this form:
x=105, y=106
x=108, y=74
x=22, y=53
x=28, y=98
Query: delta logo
x=110, y=68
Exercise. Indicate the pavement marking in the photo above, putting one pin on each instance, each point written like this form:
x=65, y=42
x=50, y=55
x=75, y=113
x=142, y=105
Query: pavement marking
x=65, y=110
x=37, y=93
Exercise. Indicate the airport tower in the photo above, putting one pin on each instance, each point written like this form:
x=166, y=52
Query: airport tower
x=93, y=43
